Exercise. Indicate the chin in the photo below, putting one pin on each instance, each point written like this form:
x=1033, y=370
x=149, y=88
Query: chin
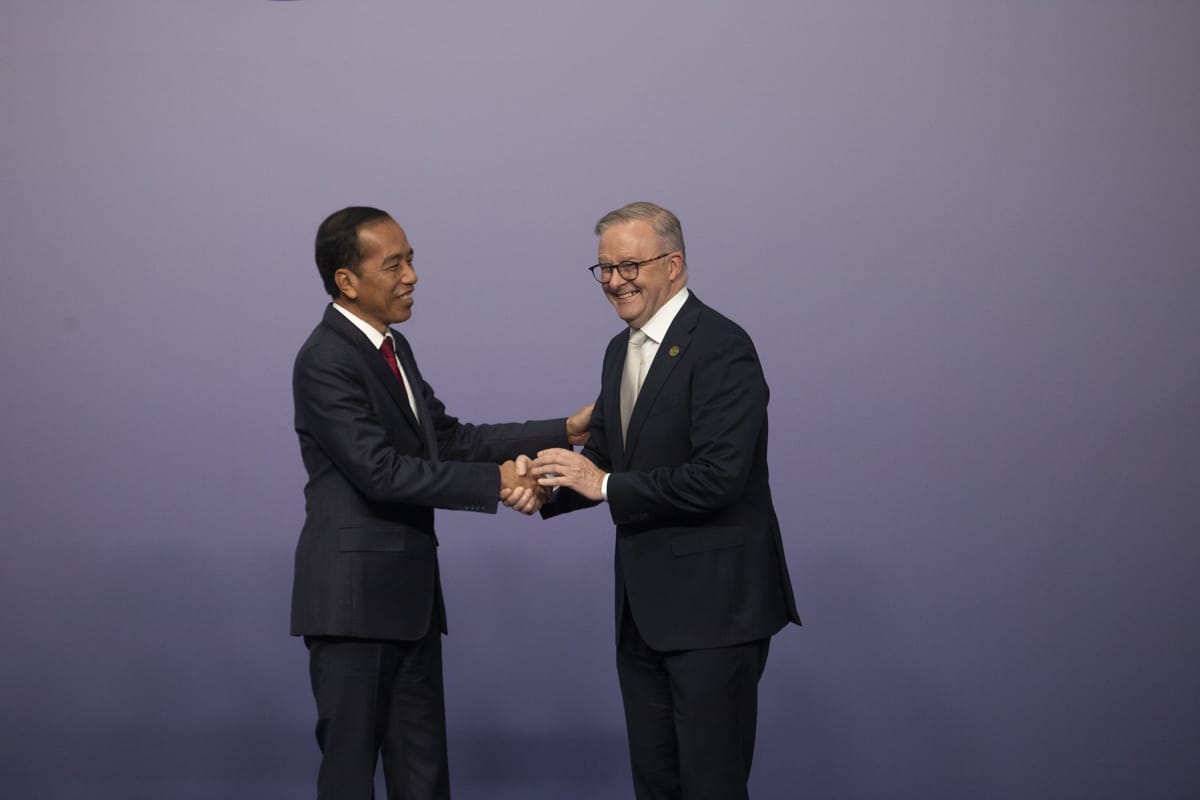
x=627, y=314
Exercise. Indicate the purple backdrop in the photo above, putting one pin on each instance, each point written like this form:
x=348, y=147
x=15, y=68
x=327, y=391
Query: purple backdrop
x=964, y=236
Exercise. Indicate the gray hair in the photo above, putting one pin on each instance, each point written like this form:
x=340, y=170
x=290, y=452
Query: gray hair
x=666, y=225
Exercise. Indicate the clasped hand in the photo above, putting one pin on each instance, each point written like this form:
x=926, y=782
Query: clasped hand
x=518, y=489
x=525, y=485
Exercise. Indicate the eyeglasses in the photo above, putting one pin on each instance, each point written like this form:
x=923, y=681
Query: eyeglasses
x=627, y=269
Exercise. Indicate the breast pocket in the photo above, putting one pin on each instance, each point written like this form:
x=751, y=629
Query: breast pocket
x=665, y=402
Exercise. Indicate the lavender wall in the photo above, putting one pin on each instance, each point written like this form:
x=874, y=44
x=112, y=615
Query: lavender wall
x=964, y=236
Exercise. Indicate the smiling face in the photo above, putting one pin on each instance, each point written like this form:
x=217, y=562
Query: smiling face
x=380, y=292
x=636, y=301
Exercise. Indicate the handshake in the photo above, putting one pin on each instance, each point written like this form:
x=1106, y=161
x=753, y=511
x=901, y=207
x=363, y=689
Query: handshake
x=526, y=484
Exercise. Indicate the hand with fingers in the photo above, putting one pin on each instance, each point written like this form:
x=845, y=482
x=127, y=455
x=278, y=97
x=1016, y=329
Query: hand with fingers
x=559, y=467
x=518, y=489
x=577, y=426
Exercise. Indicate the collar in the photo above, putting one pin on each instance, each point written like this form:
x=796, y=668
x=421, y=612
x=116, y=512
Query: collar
x=656, y=327
x=375, y=336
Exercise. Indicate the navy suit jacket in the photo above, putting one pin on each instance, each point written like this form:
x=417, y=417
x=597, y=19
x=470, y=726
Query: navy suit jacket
x=698, y=553
x=366, y=562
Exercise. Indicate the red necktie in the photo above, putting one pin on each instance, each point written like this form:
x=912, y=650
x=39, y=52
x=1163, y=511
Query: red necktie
x=389, y=355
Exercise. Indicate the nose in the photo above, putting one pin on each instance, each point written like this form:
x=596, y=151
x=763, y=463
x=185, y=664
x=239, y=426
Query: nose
x=408, y=275
x=617, y=280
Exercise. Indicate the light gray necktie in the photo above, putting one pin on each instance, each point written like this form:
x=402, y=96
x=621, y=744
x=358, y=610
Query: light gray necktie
x=631, y=378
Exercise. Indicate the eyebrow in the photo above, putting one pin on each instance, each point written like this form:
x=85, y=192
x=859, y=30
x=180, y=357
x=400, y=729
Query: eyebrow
x=399, y=257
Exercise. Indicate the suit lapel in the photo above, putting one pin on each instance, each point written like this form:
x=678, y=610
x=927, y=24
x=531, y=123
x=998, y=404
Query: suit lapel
x=610, y=388
x=375, y=364
x=673, y=346
x=425, y=428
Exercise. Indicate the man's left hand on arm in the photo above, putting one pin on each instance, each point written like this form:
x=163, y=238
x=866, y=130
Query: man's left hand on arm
x=577, y=426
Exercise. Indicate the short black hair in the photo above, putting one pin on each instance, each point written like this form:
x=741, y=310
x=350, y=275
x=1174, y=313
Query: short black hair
x=337, y=244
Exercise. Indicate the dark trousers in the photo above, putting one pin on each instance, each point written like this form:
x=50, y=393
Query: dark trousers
x=690, y=716
x=380, y=699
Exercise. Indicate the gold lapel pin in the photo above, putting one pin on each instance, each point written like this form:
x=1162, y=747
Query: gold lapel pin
x=674, y=351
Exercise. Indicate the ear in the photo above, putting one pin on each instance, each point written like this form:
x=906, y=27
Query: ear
x=674, y=266
x=347, y=283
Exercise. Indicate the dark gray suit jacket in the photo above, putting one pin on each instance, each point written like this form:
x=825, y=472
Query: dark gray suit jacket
x=699, y=554
x=366, y=562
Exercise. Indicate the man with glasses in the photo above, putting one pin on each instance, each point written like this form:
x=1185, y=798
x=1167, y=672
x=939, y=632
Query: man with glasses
x=678, y=450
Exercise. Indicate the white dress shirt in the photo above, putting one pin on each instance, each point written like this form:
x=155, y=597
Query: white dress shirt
x=655, y=329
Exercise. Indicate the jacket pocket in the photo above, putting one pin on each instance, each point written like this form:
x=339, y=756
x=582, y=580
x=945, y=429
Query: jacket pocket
x=702, y=541
x=381, y=538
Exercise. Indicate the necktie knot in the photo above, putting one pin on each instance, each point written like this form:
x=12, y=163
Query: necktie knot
x=637, y=338
x=389, y=355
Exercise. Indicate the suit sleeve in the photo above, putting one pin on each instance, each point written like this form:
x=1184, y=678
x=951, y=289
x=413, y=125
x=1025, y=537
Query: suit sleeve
x=334, y=409
x=728, y=399
x=491, y=442
x=596, y=450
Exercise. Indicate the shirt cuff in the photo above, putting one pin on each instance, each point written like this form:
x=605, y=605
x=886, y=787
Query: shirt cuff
x=604, y=486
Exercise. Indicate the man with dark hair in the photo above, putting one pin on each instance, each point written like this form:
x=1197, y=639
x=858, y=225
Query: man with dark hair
x=678, y=450
x=381, y=453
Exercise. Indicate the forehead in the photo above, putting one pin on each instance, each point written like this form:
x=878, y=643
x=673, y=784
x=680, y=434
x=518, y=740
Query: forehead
x=383, y=238
x=627, y=239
